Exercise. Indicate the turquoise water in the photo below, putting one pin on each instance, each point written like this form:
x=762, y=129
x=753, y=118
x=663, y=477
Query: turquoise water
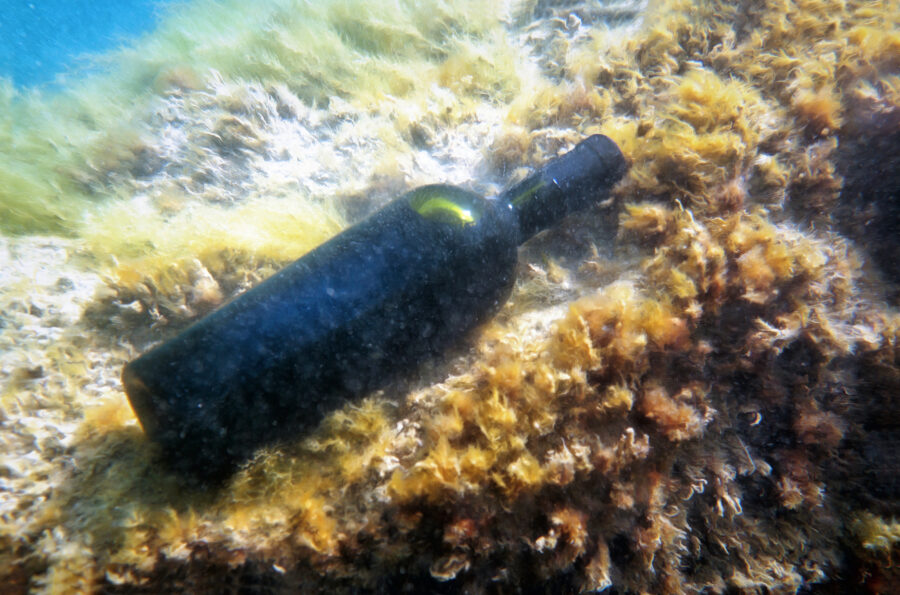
x=42, y=39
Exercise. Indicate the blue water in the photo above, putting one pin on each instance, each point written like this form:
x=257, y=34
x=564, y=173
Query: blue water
x=40, y=39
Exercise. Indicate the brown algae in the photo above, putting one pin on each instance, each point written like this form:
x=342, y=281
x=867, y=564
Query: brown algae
x=710, y=407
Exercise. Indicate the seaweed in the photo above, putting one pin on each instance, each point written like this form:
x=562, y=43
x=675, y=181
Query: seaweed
x=709, y=408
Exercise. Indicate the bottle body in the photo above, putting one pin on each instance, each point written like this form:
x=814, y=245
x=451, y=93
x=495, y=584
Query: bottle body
x=372, y=302
x=382, y=296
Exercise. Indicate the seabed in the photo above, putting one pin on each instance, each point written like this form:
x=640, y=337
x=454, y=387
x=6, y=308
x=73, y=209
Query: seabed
x=693, y=387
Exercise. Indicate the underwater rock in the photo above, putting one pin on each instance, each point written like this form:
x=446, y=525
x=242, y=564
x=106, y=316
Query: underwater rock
x=869, y=207
x=709, y=404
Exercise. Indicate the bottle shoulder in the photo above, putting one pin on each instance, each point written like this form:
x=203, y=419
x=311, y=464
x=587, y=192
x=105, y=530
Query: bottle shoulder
x=462, y=211
x=451, y=205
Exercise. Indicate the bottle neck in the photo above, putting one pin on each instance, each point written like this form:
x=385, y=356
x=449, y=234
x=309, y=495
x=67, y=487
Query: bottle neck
x=569, y=183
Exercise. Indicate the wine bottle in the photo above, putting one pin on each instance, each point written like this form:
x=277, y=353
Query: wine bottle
x=373, y=302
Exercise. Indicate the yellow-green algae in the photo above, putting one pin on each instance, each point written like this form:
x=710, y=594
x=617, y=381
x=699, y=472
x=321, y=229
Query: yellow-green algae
x=59, y=149
x=691, y=414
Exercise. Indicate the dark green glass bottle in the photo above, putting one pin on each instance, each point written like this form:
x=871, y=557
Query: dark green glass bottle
x=372, y=302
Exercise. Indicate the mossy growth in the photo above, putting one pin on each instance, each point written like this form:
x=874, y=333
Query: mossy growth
x=171, y=267
x=876, y=533
x=62, y=147
x=608, y=424
x=691, y=424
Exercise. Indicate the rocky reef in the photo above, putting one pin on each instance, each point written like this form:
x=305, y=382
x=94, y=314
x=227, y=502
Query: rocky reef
x=692, y=388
